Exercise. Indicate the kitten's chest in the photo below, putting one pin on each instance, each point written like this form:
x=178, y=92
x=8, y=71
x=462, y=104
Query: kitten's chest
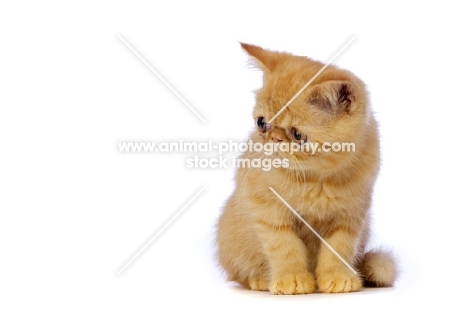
x=316, y=198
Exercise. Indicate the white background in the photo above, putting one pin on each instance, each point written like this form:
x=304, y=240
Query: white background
x=74, y=210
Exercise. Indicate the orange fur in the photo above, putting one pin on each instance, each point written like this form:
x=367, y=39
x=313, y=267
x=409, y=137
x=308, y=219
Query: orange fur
x=261, y=244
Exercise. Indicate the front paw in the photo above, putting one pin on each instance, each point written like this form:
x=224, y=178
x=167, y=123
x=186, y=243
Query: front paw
x=291, y=284
x=343, y=281
x=258, y=284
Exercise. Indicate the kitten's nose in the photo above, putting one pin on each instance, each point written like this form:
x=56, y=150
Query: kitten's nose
x=276, y=137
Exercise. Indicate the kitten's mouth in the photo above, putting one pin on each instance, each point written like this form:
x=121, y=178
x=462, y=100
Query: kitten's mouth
x=282, y=155
x=274, y=154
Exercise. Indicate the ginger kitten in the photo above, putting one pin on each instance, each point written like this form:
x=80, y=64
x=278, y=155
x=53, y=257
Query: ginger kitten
x=261, y=244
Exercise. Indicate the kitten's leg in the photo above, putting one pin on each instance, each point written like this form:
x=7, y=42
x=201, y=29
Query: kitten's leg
x=287, y=257
x=312, y=244
x=240, y=251
x=333, y=276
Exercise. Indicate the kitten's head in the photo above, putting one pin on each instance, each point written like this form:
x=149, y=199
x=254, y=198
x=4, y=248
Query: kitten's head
x=329, y=111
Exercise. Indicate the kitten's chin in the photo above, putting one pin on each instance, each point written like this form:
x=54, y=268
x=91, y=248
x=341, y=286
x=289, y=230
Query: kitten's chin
x=276, y=155
x=281, y=155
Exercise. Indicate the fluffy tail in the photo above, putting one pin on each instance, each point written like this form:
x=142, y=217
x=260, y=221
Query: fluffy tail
x=378, y=268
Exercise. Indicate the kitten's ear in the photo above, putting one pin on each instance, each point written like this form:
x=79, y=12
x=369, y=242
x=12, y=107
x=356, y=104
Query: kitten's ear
x=266, y=60
x=334, y=96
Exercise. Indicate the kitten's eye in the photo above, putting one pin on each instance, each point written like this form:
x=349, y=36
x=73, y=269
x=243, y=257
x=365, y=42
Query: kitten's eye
x=298, y=136
x=262, y=125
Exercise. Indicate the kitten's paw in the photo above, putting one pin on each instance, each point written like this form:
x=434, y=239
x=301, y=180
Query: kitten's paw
x=339, y=282
x=258, y=284
x=299, y=283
